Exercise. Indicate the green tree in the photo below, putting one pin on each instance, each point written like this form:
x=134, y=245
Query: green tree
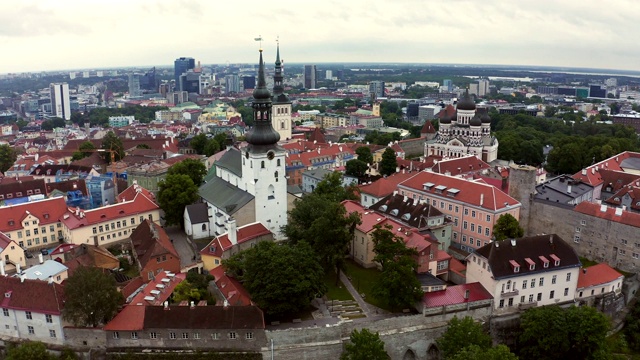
x=91, y=297
x=8, y=156
x=507, y=227
x=198, y=143
x=551, y=332
x=211, y=147
x=193, y=288
x=175, y=193
x=460, y=333
x=475, y=352
x=113, y=143
x=194, y=168
x=67, y=354
x=84, y=150
x=30, y=350
x=632, y=327
x=143, y=146
x=364, y=345
x=388, y=164
x=355, y=167
x=332, y=188
x=272, y=274
x=364, y=154
x=397, y=286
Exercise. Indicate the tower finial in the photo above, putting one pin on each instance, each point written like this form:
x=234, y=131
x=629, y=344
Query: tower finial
x=259, y=38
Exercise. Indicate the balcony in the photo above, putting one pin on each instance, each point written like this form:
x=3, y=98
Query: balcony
x=509, y=293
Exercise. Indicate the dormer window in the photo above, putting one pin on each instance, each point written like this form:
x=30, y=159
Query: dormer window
x=545, y=261
x=515, y=266
x=532, y=264
x=556, y=260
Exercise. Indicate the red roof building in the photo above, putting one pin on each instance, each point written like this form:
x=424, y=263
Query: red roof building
x=597, y=280
x=223, y=246
x=34, y=224
x=158, y=290
x=153, y=250
x=231, y=289
x=438, y=302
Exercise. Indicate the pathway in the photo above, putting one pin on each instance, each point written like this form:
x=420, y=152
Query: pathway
x=368, y=309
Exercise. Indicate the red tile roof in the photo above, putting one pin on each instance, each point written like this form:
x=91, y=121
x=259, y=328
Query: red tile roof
x=591, y=174
x=428, y=128
x=597, y=275
x=132, y=286
x=454, y=295
x=48, y=211
x=32, y=295
x=385, y=186
x=164, y=290
x=462, y=165
x=475, y=193
x=245, y=233
x=130, y=318
x=63, y=248
x=140, y=204
x=149, y=241
x=593, y=209
x=233, y=291
x=132, y=191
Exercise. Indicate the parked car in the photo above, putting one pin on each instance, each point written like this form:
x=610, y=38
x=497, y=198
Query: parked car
x=28, y=255
x=44, y=251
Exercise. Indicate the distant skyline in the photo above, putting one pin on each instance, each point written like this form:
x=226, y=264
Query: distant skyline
x=38, y=35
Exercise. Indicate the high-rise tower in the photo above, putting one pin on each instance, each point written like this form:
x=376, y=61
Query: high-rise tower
x=60, y=102
x=263, y=162
x=281, y=119
x=309, y=76
x=180, y=66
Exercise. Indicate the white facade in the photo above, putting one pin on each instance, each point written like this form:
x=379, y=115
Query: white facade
x=29, y=325
x=281, y=120
x=60, y=103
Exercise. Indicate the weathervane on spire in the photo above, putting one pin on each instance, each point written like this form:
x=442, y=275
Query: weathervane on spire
x=259, y=38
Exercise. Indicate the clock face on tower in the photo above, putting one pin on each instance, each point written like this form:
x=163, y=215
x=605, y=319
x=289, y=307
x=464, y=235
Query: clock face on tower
x=270, y=155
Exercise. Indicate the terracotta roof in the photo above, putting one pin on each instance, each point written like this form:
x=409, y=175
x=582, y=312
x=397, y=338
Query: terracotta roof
x=149, y=241
x=418, y=213
x=140, y=204
x=476, y=193
x=428, y=128
x=33, y=295
x=503, y=256
x=132, y=286
x=158, y=289
x=462, y=165
x=132, y=191
x=244, y=233
x=597, y=275
x=591, y=174
x=630, y=192
x=131, y=318
x=68, y=185
x=63, y=248
x=386, y=185
x=608, y=213
x=48, y=211
x=232, y=289
x=317, y=136
x=454, y=295
x=22, y=188
x=616, y=179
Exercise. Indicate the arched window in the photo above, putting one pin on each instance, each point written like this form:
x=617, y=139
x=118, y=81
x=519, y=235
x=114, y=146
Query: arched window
x=204, y=227
x=276, y=176
x=272, y=192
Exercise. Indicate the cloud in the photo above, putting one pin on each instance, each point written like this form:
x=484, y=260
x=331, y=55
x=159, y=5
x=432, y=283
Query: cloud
x=33, y=21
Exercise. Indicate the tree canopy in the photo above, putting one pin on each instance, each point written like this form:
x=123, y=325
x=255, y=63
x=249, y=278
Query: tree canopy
x=397, y=286
x=112, y=142
x=364, y=154
x=388, y=164
x=84, y=150
x=460, y=334
x=357, y=168
x=176, y=192
x=632, y=327
x=507, y=227
x=475, y=352
x=8, y=156
x=29, y=350
x=551, y=332
x=272, y=274
x=193, y=168
x=364, y=345
x=91, y=297
x=193, y=288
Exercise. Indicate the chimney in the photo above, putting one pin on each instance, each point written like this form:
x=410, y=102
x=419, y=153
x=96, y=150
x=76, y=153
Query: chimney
x=2, y=272
x=22, y=277
x=568, y=189
x=50, y=281
x=584, y=270
x=232, y=231
x=466, y=294
x=40, y=258
x=192, y=304
x=166, y=305
x=513, y=242
x=551, y=239
x=481, y=199
x=18, y=268
x=226, y=303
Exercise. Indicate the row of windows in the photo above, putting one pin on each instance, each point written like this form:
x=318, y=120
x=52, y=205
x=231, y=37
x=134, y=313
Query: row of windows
x=471, y=240
x=118, y=224
x=552, y=295
x=532, y=282
x=36, y=241
x=473, y=228
x=48, y=318
x=19, y=194
x=32, y=331
x=185, y=335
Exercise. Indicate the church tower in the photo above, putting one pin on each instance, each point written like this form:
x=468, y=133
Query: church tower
x=263, y=162
x=281, y=120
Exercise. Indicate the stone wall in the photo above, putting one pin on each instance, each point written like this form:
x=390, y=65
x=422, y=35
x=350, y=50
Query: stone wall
x=84, y=338
x=522, y=182
x=412, y=146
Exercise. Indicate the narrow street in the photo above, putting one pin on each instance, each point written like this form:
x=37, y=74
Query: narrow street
x=183, y=246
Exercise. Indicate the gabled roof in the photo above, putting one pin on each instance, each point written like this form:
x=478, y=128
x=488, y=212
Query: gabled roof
x=631, y=192
x=386, y=185
x=198, y=213
x=45, y=270
x=595, y=275
x=221, y=243
x=502, y=256
x=428, y=128
x=461, y=165
x=616, y=179
x=18, y=189
x=408, y=211
x=232, y=289
x=48, y=211
x=139, y=205
x=160, y=289
x=32, y=295
x=203, y=317
x=68, y=185
x=608, y=213
x=591, y=174
x=317, y=136
x=475, y=193
x=149, y=241
x=132, y=191
x=224, y=195
x=454, y=295
x=231, y=161
x=130, y=318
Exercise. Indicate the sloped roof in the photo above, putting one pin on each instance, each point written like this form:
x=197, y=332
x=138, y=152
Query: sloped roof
x=608, y=213
x=221, y=243
x=419, y=213
x=140, y=204
x=428, y=128
x=67, y=185
x=130, y=318
x=317, y=136
x=198, y=213
x=164, y=289
x=597, y=275
x=461, y=165
x=231, y=161
x=591, y=174
x=224, y=196
x=200, y=317
x=149, y=241
x=616, y=179
x=386, y=185
x=501, y=255
x=232, y=289
x=132, y=191
x=48, y=211
x=17, y=189
x=45, y=270
x=32, y=295
x=454, y=295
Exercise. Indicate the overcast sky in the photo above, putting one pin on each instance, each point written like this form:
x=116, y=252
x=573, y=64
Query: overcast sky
x=73, y=34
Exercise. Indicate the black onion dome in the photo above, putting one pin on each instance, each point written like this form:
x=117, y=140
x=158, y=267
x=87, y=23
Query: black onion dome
x=446, y=119
x=466, y=103
x=486, y=119
x=262, y=133
x=475, y=121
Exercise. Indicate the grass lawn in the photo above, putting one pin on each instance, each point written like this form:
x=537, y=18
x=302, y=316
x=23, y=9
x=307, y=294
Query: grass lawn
x=586, y=262
x=617, y=345
x=363, y=280
x=336, y=292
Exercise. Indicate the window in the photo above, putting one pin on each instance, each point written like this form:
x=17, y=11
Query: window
x=524, y=284
x=464, y=225
x=486, y=231
x=553, y=279
x=5, y=312
x=48, y=318
x=95, y=230
x=473, y=214
x=249, y=336
x=583, y=222
x=196, y=335
x=52, y=228
x=634, y=255
x=533, y=283
x=576, y=239
x=35, y=231
x=488, y=218
x=450, y=207
x=457, y=209
x=27, y=233
x=232, y=335
x=134, y=335
x=19, y=234
x=552, y=294
x=522, y=299
x=511, y=301
x=31, y=330
x=473, y=227
x=215, y=336
x=172, y=335
x=133, y=221
x=531, y=298
x=116, y=335
x=566, y=291
x=479, y=229
x=153, y=335
x=577, y=229
x=568, y=276
x=541, y=281
x=501, y=303
x=185, y=335
x=28, y=314
x=466, y=212
x=539, y=296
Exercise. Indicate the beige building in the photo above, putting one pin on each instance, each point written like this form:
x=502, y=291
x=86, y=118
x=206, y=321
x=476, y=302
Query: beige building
x=34, y=225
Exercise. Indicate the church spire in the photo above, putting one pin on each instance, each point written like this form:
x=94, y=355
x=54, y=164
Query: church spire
x=262, y=132
x=278, y=88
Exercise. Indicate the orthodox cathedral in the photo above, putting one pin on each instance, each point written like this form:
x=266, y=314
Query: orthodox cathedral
x=463, y=131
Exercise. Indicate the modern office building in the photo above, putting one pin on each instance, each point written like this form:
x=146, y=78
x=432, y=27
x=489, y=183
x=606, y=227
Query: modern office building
x=328, y=75
x=232, y=84
x=60, y=103
x=376, y=89
x=150, y=81
x=309, y=76
x=448, y=85
x=190, y=81
x=248, y=82
x=180, y=66
x=134, y=85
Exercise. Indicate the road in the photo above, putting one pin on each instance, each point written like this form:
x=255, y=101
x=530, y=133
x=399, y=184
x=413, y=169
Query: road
x=183, y=246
